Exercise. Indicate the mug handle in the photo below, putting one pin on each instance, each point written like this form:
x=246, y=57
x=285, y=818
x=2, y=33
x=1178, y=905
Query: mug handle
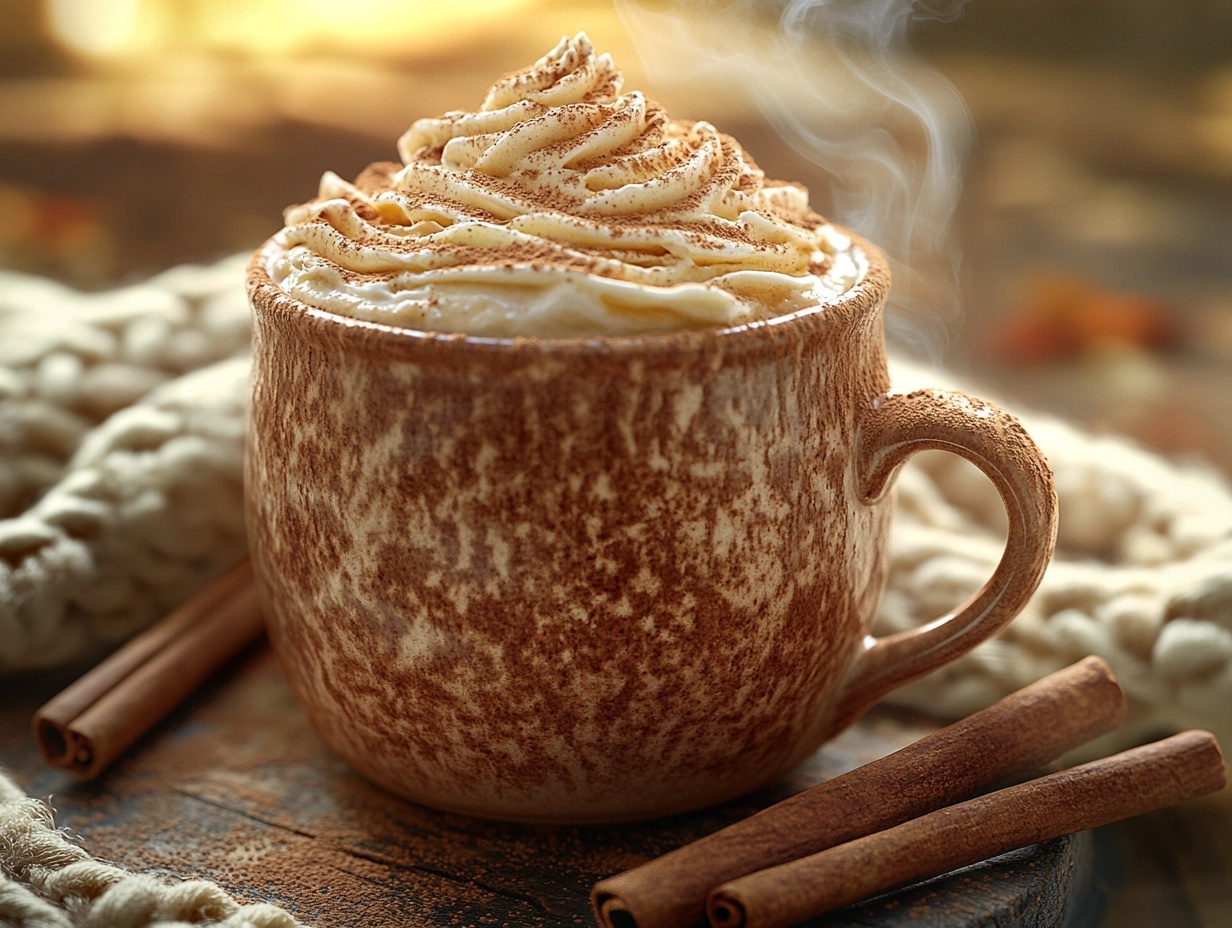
x=896, y=428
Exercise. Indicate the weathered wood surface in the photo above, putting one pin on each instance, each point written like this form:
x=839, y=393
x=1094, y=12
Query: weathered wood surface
x=235, y=787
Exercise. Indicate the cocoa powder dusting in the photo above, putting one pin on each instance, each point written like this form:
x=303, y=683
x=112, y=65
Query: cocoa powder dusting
x=577, y=169
x=659, y=147
x=377, y=177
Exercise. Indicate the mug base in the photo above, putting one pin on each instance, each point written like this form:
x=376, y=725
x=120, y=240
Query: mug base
x=562, y=810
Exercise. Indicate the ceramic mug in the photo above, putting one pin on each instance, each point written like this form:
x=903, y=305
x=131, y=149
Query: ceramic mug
x=599, y=579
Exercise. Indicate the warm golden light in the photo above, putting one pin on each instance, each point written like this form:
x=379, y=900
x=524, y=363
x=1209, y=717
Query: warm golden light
x=94, y=27
x=263, y=28
x=383, y=26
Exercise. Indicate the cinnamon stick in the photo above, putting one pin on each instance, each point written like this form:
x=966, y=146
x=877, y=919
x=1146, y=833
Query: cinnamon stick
x=1140, y=780
x=95, y=719
x=1015, y=736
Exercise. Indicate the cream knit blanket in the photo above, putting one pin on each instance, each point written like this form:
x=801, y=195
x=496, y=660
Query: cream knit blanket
x=121, y=436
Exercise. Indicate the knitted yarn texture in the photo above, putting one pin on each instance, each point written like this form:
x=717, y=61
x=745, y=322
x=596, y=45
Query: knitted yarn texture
x=121, y=444
x=121, y=451
x=48, y=881
x=1142, y=577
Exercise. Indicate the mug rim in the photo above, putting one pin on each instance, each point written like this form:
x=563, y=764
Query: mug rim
x=865, y=298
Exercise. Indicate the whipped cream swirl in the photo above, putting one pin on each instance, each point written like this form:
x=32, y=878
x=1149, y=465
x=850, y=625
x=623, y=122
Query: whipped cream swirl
x=562, y=208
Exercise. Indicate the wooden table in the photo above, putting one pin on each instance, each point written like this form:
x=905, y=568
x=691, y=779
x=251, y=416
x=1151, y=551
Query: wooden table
x=235, y=787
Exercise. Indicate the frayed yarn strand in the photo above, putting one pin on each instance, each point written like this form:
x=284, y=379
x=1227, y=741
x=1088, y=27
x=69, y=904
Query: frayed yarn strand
x=47, y=881
x=21, y=908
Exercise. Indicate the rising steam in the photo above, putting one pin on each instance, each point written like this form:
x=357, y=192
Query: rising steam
x=837, y=80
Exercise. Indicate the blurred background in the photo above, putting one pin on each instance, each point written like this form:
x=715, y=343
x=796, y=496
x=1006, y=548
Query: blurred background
x=1073, y=252
x=1053, y=180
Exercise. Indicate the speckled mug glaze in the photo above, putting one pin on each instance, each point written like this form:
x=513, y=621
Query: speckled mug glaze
x=590, y=580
